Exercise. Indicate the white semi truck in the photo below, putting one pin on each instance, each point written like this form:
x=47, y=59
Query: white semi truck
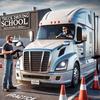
x=54, y=60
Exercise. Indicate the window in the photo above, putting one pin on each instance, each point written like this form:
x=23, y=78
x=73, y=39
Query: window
x=51, y=31
x=89, y=19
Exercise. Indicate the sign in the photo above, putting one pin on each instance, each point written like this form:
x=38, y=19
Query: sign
x=16, y=21
x=35, y=82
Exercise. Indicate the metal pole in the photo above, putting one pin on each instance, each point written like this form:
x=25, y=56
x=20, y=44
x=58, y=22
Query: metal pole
x=94, y=36
x=96, y=41
x=97, y=67
x=97, y=32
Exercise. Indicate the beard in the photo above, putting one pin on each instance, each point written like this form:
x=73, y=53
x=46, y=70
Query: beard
x=10, y=41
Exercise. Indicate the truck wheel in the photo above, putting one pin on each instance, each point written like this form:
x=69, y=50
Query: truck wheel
x=75, y=76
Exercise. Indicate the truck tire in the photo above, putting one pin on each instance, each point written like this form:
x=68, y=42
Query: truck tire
x=75, y=75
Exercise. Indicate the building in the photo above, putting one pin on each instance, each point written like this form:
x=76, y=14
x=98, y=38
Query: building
x=19, y=24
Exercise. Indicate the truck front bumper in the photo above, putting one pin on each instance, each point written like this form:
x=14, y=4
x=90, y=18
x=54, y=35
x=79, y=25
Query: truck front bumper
x=48, y=78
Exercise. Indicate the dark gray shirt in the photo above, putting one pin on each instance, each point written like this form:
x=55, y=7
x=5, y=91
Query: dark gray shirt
x=8, y=47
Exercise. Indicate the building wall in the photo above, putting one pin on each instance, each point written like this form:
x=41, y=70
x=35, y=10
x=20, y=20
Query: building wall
x=15, y=28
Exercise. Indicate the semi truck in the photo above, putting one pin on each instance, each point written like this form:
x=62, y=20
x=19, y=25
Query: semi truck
x=63, y=60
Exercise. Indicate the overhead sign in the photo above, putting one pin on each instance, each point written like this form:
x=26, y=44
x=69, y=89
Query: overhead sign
x=16, y=21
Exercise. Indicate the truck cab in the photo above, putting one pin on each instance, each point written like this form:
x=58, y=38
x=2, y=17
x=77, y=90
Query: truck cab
x=53, y=60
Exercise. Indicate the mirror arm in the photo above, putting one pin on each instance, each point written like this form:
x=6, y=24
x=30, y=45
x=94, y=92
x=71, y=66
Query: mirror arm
x=23, y=46
x=78, y=42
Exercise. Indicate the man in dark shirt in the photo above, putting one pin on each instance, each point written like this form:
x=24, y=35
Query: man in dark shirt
x=7, y=50
x=66, y=33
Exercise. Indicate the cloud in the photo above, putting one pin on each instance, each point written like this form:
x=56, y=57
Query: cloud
x=10, y=6
x=13, y=6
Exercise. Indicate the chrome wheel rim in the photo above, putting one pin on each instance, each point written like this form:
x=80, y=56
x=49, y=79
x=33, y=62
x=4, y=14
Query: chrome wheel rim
x=76, y=75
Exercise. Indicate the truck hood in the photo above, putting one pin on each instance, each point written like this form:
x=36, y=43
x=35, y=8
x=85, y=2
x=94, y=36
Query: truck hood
x=45, y=44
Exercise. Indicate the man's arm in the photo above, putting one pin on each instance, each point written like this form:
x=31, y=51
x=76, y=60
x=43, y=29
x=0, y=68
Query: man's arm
x=58, y=35
x=69, y=34
x=7, y=52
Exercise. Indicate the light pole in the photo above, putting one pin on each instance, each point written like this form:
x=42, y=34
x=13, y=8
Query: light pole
x=96, y=49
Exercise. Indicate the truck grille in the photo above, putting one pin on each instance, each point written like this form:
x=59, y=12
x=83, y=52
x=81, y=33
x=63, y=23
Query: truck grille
x=36, y=60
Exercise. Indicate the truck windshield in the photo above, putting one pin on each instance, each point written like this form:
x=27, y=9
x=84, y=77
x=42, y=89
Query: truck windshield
x=56, y=31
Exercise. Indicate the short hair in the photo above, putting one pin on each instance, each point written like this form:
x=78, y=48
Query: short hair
x=8, y=37
x=64, y=27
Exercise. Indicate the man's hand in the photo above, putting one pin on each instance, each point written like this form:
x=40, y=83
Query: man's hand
x=11, y=51
x=56, y=37
x=69, y=36
x=18, y=50
x=15, y=51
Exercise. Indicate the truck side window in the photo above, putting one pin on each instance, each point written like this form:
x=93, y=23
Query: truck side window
x=89, y=19
x=79, y=33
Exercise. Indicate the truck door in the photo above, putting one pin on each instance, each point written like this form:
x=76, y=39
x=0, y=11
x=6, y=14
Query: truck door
x=85, y=52
x=88, y=63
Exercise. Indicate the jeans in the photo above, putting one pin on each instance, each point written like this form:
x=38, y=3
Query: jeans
x=8, y=71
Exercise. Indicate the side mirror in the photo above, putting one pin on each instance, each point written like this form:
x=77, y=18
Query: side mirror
x=81, y=36
x=19, y=44
x=31, y=35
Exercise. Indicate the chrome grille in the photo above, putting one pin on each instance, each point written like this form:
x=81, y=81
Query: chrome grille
x=26, y=61
x=36, y=60
x=45, y=61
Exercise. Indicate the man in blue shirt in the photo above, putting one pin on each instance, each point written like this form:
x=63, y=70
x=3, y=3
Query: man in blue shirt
x=8, y=64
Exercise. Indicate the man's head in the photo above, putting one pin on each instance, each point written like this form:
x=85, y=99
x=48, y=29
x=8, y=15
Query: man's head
x=9, y=38
x=64, y=29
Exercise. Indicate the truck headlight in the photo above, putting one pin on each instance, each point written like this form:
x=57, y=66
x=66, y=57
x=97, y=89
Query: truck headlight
x=18, y=64
x=62, y=65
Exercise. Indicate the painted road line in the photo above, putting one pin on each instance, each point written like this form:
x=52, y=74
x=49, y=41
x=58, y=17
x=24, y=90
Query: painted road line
x=21, y=96
x=74, y=95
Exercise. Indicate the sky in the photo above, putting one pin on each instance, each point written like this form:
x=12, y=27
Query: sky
x=16, y=6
